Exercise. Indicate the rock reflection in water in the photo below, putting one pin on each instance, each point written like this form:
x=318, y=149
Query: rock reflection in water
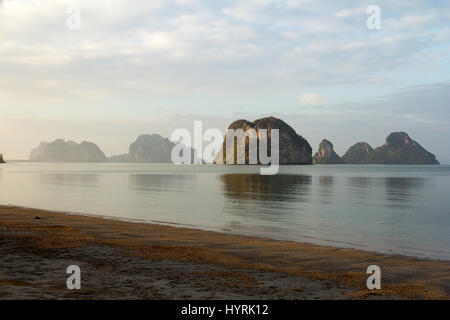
x=270, y=188
x=326, y=191
x=255, y=199
x=399, y=191
x=360, y=187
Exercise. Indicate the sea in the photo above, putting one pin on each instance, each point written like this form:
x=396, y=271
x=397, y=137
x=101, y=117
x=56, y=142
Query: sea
x=387, y=209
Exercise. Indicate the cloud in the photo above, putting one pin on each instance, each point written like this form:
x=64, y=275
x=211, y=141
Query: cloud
x=347, y=13
x=284, y=42
x=310, y=98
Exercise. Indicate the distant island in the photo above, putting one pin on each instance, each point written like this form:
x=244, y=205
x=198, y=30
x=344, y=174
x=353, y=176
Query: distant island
x=62, y=151
x=359, y=153
x=148, y=149
x=399, y=148
x=326, y=154
x=1, y=158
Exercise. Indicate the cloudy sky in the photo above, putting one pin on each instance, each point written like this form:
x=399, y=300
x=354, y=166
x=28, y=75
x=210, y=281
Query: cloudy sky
x=153, y=66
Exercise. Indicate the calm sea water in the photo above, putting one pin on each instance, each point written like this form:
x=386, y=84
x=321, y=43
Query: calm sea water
x=391, y=209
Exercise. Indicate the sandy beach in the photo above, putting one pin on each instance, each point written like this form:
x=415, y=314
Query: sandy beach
x=128, y=260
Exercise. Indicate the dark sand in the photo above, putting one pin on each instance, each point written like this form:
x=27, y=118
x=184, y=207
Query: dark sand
x=127, y=260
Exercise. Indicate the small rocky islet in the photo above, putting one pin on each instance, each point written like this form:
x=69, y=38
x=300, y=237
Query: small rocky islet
x=326, y=154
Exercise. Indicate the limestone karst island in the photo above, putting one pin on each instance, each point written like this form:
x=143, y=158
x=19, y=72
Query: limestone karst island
x=399, y=149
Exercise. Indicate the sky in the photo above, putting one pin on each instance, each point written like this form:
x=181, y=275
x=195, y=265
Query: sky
x=135, y=67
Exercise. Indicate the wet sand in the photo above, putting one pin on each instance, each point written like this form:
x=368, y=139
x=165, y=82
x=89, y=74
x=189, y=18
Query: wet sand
x=128, y=260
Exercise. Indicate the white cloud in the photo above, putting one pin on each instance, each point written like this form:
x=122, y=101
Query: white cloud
x=310, y=98
x=302, y=37
x=413, y=21
x=347, y=13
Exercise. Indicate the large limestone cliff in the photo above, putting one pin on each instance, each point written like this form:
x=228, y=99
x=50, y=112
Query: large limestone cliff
x=293, y=148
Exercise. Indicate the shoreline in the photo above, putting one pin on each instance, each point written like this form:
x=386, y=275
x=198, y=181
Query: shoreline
x=326, y=243
x=155, y=261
